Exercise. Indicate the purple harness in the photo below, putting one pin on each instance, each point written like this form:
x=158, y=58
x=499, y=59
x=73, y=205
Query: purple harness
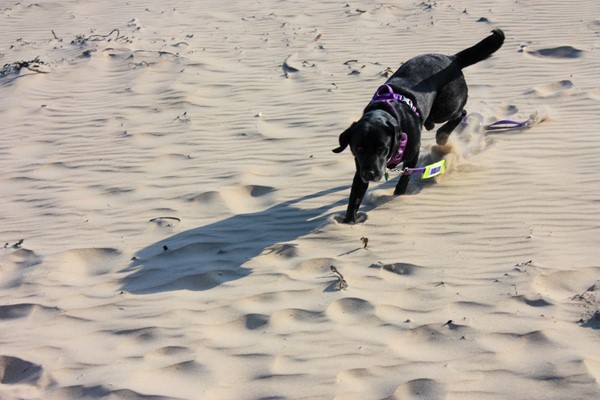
x=396, y=157
x=385, y=94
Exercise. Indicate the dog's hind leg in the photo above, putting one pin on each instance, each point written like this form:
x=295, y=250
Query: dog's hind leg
x=442, y=134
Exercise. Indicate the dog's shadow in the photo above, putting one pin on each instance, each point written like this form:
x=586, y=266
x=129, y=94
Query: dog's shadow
x=208, y=256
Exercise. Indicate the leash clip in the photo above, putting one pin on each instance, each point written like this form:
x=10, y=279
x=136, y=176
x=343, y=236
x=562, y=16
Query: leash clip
x=402, y=171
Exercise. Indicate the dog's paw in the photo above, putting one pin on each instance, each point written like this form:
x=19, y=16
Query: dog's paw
x=400, y=192
x=342, y=219
x=441, y=139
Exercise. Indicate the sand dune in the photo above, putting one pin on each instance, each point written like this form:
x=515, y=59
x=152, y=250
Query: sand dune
x=169, y=204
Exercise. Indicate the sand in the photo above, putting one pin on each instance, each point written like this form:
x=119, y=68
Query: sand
x=169, y=199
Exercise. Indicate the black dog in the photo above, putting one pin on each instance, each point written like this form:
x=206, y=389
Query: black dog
x=426, y=90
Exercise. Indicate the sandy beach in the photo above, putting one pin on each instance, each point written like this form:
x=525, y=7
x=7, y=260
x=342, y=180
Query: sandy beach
x=169, y=205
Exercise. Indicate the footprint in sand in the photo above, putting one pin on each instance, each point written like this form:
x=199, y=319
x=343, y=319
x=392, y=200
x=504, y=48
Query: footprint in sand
x=589, y=300
x=14, y=266
x=314, y=266
x=564, y=284
x=210, y=199
x=243, y=199
x=552, y=89
x=559, y=53
x=247, y=322
x=80, y=265
x=350, y=310
x=165, y=222
x=399, y=268
x=14, y=370
x=296, y=319
x=24, y=310
x=420, y=389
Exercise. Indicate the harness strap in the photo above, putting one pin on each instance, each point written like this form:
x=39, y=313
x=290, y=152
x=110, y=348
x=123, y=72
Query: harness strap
x=385, y=94
x=396, y=156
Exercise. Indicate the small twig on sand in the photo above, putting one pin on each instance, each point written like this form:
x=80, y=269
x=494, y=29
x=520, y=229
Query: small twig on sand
x=162, y=53
x=522, y=264
x=342, y=284
x=16, y=245
x=82, y=40
x=183, y=118
x=168, y=222
x=159, y=218
x=101, y=37
x=34, y=65
x=365, y=241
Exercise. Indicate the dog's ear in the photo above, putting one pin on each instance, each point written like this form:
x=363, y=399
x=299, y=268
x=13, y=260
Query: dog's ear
x=344, y=139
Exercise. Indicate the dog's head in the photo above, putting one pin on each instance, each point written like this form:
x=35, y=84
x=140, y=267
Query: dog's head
x=372, y=140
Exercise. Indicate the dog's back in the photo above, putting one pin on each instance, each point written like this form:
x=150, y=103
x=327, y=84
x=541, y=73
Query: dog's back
x=438, y=78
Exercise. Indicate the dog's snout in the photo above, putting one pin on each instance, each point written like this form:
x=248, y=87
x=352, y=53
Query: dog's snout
x=370, y=175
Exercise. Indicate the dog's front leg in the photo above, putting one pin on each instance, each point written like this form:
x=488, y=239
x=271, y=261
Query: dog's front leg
x=357, y=193
x=404, y=179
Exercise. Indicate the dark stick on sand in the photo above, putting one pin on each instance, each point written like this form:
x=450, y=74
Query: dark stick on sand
x=342, y=282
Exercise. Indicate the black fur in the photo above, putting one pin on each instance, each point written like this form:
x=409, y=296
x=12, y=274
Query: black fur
x=437, y=87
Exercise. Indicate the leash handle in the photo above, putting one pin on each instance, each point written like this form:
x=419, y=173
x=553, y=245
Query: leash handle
x=504, y=124
x=508, y=124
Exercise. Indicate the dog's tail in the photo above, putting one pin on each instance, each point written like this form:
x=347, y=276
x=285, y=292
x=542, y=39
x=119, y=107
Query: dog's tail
x=481, y=50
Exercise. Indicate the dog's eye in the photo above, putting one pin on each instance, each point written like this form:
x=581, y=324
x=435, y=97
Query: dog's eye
x=360, y=149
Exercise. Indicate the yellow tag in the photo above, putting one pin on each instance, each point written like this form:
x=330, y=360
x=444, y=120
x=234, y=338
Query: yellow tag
x=434, y=169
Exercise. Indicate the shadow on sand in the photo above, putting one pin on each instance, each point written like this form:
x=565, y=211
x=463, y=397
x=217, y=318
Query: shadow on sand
x=207, y=256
